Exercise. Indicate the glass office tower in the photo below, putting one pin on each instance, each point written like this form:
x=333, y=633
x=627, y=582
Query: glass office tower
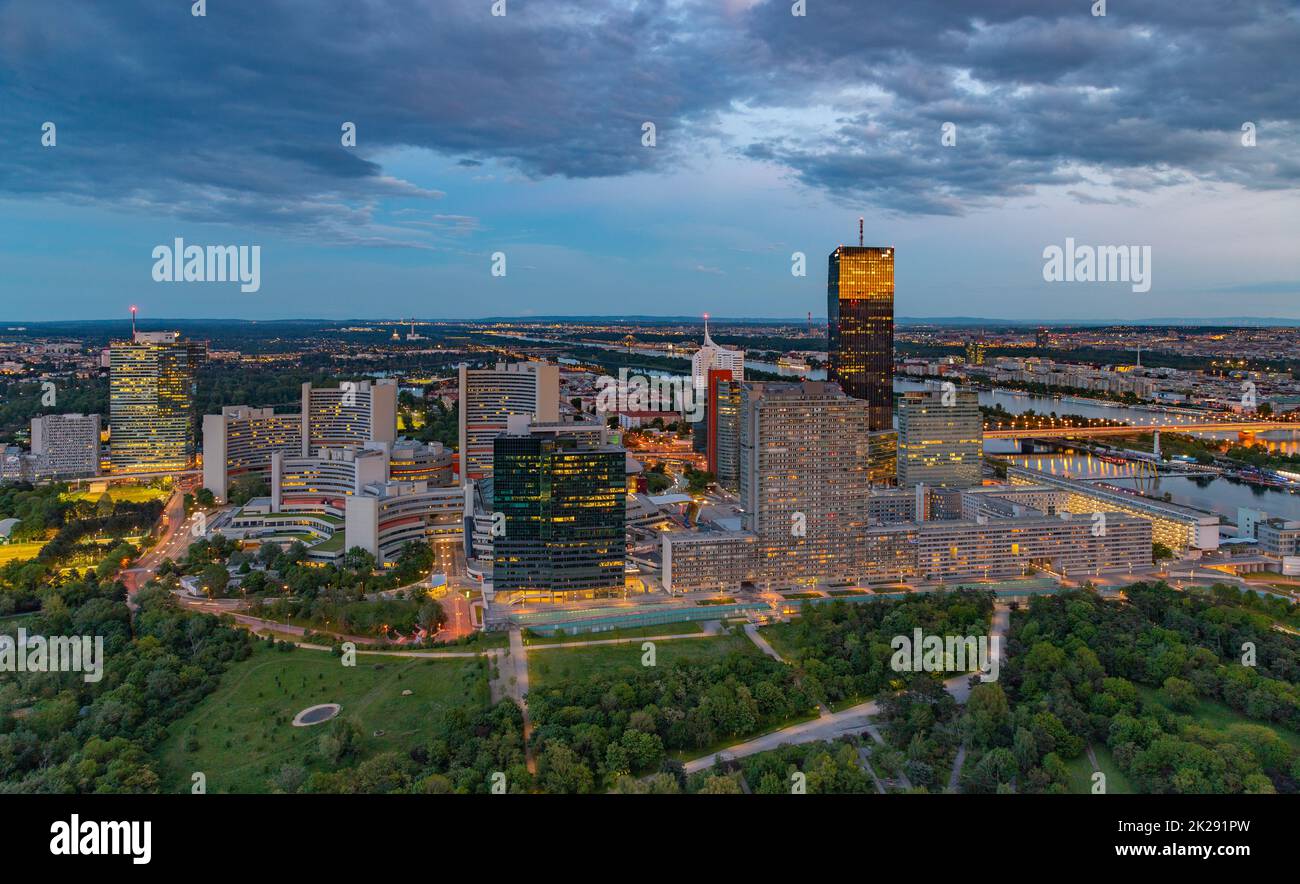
x=860, y=307
x=564, y=503
x=152, y=382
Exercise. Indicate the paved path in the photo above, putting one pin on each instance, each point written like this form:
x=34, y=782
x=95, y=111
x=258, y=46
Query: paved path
x=864, y=762
x=752, y=631
x=854, y=719
x=956, y=768
x=837, y=724
x=517, y=688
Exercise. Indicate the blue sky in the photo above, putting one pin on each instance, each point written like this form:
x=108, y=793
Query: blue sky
x=522, y=134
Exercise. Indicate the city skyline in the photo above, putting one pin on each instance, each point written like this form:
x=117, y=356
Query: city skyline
x=429, y=398
x=1067, y=125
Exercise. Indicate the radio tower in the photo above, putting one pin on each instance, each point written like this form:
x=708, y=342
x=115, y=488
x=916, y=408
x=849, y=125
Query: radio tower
x=860, y=240
x=133, y=322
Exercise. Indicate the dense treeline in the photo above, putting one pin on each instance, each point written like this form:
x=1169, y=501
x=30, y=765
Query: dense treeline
x=471, y=748
x=81, y=533
x=827, y=768
x=843, y=648
x=1140, y=678
x=59, y=733
x=588, y=735
x=283, y=585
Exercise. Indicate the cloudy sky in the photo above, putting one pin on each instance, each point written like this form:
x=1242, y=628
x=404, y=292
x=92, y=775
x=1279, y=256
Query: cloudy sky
x=523, y=134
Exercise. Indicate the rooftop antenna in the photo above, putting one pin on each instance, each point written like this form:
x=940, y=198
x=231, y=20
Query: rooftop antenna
x=860, y=242
x=133, y=322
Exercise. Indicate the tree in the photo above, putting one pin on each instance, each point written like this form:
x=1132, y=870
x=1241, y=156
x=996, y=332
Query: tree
x=720, y=785
x=562, y=772
x=246, y=488
x=214, y=578
x=359, y=560
x=1180, y=693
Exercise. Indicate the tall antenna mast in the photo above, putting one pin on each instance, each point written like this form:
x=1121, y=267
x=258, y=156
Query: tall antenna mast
x=860, y=241
x=133, y=322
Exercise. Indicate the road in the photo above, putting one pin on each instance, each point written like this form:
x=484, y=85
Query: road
x=173, y=542
x=449, y=559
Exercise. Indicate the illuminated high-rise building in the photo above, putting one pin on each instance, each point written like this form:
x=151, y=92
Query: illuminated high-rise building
x=723, y=420
x=239, y=443
x=489, y=397
x=860, y=307
x=940, y=439
x=564, y=503
x=712, y=356
x=708, y=359
x=804, y=483
x=352, y=413
x=152, y=384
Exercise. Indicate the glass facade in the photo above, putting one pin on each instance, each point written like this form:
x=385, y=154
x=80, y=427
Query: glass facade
x=860, y=308
x=564, y=504
x=152, y=382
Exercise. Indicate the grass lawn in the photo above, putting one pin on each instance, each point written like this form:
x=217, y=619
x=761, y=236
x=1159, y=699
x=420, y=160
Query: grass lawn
x=1213, y=714
x=846, y=703
x=548, y=667
x=632, y=632
x=1081, y=774
x=781, y=637
x=122, y=493
x=19, y=552
x=243, y=728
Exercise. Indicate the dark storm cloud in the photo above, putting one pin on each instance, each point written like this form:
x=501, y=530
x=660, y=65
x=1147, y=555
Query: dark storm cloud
x=236, y=116
x=1152, y=93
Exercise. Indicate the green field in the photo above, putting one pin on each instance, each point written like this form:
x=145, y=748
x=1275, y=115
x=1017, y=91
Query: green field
x=685, y=628
x=19, y=552
x=1213, y=714
x=546, y=668
x=123, y=493
x=243, y=728
x=781, y=637
x=1081, y=773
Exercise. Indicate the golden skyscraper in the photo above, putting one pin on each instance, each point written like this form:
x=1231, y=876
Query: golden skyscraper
x=860, y=307
x=152, y=380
